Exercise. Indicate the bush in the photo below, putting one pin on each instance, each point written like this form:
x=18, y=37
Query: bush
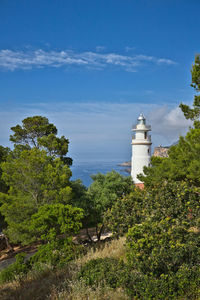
x=17, y=270
x=55, y=253
x=125, y=212
x=163, y=258
x=102, y=272
x=185, y=283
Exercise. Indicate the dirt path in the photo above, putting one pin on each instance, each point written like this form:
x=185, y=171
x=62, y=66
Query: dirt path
x=7, y=257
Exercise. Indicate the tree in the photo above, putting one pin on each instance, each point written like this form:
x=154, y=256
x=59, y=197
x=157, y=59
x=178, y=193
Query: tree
x=103, y=193
x=55, y=224
x=38, y=132
x=163, y=250
x=182, y=164
x=194, y=113
x=54, y=220
x=34, y=179
x=35, y=173
x=3, y=186
x=32, y=129
x=3, y=155
x=125, y=212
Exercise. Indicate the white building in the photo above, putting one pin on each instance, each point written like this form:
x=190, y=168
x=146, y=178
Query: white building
x=141, y=148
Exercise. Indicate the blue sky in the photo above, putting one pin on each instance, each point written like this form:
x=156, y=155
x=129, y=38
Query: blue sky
x=92, y=66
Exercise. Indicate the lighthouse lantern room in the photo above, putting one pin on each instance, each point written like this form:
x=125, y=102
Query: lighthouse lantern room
x=141, y=148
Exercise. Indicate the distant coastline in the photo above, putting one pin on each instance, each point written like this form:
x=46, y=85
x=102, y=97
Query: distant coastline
x=127, y=165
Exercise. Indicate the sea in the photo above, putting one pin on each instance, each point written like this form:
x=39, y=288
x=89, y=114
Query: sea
x=84, y=169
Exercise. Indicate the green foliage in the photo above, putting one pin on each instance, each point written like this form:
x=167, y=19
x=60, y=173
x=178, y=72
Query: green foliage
x=182, y=285
x=38, y=132
x=17, y=270
x=105, y=190
x=31, y=130
x=34, y=179
x=56, y=253
x=79, y=194
x=52, y=220
x=182, y=164
x=102, y=272
x=3, y=186
x=36, y=172
x=176, y=200
x=194, y=113
x=162, y=248
x=55, y=224
x=125, y=212
x=3, y=156
x=56, y=147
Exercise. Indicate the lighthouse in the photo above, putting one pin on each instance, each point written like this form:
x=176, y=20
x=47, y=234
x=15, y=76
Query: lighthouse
x=141, y=148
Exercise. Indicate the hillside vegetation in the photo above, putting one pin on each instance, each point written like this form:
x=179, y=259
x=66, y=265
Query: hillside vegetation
x=155, y=248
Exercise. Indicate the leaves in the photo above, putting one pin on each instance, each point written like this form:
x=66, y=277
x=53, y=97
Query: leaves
x=34, y=179
x=32, y=128
x=39, y=133
x=105, y=190
x=52, y=220
x=194, y=113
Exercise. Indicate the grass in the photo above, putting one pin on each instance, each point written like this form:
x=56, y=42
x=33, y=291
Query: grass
x=114, y=249
x=61, y=284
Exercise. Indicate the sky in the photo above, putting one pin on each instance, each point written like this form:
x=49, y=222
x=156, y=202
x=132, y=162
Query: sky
x=91, y=67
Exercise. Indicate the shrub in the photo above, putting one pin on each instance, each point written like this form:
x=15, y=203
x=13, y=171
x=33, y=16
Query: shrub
x=125, y=212
x=17, y=270
x=55, y=253
x=102, y=272
x=165, y=258
x=185, y=283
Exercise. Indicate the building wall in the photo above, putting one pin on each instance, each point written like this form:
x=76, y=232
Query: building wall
x=141, y=155
x=161, y=151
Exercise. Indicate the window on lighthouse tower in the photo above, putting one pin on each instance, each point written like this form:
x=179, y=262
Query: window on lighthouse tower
x=145, y=135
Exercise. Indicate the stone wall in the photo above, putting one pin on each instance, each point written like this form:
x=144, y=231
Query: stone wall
x=161, y=151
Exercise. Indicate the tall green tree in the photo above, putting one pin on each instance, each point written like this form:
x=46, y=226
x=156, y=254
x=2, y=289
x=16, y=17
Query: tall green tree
x=183, y=162
x=36, y=175
x=4, y=151
x=3, y=186
x=102, y=194
x=193, y=113
x=37, y=132
x=34, y=179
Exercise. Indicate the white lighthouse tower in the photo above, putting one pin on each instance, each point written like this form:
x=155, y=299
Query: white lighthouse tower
x=141, y=148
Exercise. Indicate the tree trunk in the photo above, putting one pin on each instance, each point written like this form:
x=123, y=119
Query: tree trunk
x=88, y=234
x=99, y=233
x=10, y=248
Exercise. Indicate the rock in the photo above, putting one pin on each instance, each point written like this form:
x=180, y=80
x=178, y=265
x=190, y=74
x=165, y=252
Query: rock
x=125, y=164
x=161, y=151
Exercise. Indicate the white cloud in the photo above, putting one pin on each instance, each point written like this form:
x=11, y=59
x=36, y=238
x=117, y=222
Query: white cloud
x=168, y=124
x=27, y=59
x=100, y=130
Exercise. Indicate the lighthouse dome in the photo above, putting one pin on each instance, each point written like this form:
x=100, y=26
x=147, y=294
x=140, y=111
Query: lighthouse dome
x=141, y=119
